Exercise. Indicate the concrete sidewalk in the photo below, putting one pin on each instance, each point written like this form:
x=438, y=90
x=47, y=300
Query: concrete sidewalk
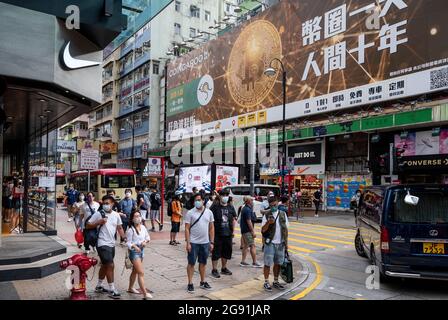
x=165, y=273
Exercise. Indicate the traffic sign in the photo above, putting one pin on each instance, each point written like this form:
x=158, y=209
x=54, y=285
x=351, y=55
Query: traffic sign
x=89, y=159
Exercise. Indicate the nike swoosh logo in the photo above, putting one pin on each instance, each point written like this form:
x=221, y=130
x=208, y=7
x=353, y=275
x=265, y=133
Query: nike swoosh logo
x=73, y=63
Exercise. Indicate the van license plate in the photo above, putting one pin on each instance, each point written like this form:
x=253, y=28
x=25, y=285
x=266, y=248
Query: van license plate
x=433, y=248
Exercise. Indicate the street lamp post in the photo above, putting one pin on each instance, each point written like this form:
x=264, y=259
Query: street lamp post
x=271, y=71
x=131, y=124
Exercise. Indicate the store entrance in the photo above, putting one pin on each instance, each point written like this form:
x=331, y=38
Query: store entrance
x=308, y=185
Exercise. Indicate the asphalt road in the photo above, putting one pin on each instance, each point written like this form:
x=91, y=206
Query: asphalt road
x=338, y=273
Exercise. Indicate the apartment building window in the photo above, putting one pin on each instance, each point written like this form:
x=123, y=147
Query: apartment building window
x=192, y=32
x=177, y=6
x=145, y=116
x=99, y=114
x=228, y=7
x=83, y=126
x=208, y=16
x=155, y=68
x=108, y=111
x=177, y=29
x=194, y=12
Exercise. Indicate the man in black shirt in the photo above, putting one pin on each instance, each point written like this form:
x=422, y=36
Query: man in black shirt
x=225, y=217
x=317, y=199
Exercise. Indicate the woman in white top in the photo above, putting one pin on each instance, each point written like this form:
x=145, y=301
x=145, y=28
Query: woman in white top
x=138, y=238
x=77, y=210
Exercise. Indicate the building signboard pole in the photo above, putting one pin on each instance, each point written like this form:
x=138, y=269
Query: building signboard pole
x=162, y=163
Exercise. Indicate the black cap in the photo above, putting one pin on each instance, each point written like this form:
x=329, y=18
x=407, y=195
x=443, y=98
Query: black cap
x=224, y=192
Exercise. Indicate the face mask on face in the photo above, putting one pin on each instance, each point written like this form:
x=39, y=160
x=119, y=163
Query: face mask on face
x=225, y=200
x=137, y=220
x=107, y=207
x=81, y=198
x=198, y=204
x=128, y=194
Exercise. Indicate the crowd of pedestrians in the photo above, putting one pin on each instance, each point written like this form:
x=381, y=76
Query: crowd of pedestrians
x=210, y=220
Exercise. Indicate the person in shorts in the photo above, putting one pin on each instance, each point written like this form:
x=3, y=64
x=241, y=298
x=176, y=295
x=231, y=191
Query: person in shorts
x=247, y=221
x=176, y=216
x=108, y=223
x=224, y=215
x=274, y=228
x=199, y=230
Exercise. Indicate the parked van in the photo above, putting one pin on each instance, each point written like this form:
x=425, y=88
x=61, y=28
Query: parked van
x=238, y=192
x=403, y=230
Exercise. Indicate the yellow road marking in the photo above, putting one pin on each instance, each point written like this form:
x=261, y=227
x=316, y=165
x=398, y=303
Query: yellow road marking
x=316, y=281
x=320, y=238
x=324, y=227
x=311, y=243
x=322, y=233
x=289, y=246
x=327, y=232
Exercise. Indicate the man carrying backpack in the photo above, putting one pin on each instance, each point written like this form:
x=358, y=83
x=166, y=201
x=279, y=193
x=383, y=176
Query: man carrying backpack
x=106, y=224
x=274, y=228
x=72, y=196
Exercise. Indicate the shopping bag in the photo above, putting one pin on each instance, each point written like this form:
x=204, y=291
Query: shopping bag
x=286, y=271
x=79, y=237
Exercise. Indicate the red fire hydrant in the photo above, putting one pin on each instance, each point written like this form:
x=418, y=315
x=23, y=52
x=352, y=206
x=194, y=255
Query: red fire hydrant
x=79, y=264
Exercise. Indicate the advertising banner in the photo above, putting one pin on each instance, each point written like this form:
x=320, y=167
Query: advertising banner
x=153, y=167
x=423, y=143
x=308, y=158
x=109, y=147
x=226, y=176
x=195, y=177
x=89, y=159
x=66, y=146
x=87, y=144
x=341, y=188
x=337, y=54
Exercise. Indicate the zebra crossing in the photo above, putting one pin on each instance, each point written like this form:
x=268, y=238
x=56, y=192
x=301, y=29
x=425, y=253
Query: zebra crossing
x=310, y=238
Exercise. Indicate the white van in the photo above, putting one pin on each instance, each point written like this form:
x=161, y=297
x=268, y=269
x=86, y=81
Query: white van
x=239, y=191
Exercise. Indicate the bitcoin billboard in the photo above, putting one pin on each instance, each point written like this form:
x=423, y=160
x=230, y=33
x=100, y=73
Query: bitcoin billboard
x=337, y=54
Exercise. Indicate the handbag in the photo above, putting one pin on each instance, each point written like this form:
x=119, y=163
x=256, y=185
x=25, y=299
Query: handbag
x=79, y=236
x=127, y=262
x=286, y=271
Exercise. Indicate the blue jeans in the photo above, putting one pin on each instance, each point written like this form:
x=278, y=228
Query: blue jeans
x=136, y=255
x=274, y=254
x=199, y=252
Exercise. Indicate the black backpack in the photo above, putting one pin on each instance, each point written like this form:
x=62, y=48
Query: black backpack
x=91, y=235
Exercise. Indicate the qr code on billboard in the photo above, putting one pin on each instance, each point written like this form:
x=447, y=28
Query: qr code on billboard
x=439, y=79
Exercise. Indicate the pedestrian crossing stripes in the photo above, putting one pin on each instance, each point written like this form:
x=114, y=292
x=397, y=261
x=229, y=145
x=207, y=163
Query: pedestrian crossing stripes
x=308, y=238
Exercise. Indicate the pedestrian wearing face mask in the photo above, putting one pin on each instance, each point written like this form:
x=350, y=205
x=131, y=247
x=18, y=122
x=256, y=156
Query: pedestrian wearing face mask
x=274, y=228
x=90, y=208
x=225, y=216
x=78, y=210
x=199, y=235
x=138, y=239
x=125, y=207
x=108, y=223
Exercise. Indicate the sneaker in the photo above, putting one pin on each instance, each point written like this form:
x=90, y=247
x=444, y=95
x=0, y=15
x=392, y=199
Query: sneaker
x=190, y=288
x=244, y=264
x=153, y=230
x=278, y=286
x=205, y=286
x=177, y=242
x=115, y=295
x=160, y=227
x=226, y=272
x=172, y=243
x=69, y=220
x=316, y=216
x=215, y=274
x=256, y=265
x=101, y=289
x=267, y=287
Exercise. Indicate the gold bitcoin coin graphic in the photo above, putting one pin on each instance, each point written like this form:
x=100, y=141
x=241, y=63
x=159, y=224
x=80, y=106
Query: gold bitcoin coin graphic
x=251, y=54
